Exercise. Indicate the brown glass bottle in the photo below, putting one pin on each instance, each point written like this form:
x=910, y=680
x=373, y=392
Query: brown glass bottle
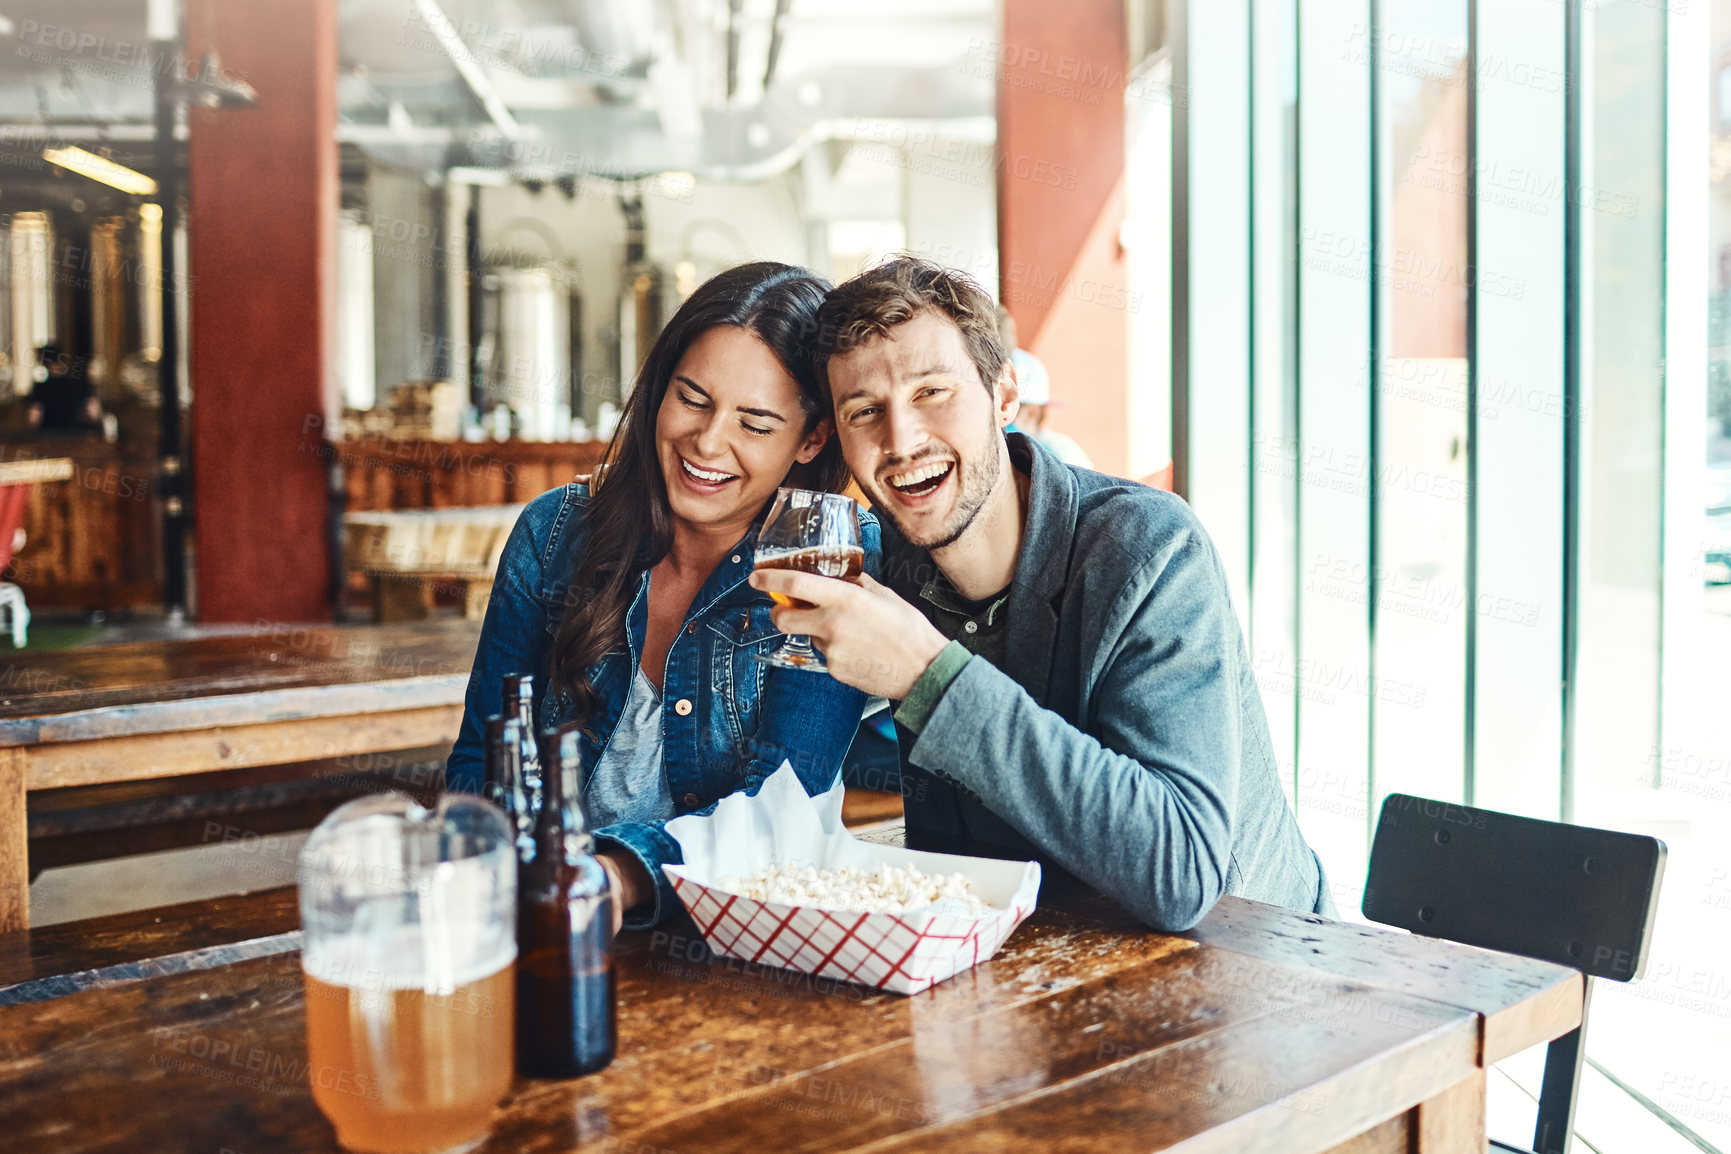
x=517, y=699
x=565, y=1007
x=504, y=785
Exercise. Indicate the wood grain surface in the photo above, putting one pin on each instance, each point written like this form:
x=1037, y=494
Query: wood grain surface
x=275, y=673
x=239, y=745
x=94, y=540
x=1519, y=997
x=269, y=696
x=53, y=961
x=1087, y=1031
x=14, y=843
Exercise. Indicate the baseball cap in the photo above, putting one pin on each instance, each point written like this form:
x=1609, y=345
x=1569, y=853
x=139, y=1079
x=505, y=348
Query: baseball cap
x=1033, y=383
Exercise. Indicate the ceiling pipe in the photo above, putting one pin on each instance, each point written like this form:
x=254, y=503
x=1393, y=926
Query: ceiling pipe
x=463, y=59
x=734, y=8
x=777, y=30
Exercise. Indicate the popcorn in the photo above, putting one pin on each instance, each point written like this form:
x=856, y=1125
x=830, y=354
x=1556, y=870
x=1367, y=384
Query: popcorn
x=885, y=890
x=884, y=923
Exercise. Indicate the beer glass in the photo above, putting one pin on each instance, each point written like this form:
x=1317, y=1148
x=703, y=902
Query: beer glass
x=409, y=953
x=812, y=533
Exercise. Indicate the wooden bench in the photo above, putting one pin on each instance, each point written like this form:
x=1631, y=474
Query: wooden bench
x=408, y=554
x=124, y=713
x=102, y=822
x=52, y=961
x=98, y=822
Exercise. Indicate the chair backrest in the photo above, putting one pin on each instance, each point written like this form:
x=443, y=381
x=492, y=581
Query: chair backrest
x=1568, y=894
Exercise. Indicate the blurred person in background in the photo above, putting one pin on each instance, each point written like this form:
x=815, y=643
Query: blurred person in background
x=63, y=400
x=1034, y=388
x=626, y=597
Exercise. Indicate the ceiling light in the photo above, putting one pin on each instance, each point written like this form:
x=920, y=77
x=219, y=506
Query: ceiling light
x=101, y=169
x=674, y=185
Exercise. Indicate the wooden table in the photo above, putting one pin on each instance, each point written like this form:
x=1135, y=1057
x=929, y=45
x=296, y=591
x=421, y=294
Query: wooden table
x=17, y=477
x=165, y=708
x=35, y=470
x=96, y=541
x=1260, y=1030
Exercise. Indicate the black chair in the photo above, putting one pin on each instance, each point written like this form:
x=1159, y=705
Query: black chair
x=1568, y=894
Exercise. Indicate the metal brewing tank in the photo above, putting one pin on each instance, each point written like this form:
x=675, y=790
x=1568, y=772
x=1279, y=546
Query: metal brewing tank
x=530, y=365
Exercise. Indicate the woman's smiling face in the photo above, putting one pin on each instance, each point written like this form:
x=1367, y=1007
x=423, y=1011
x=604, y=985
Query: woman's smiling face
x=729, y=428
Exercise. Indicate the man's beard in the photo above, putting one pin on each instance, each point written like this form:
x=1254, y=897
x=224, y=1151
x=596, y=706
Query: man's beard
x=978, y=475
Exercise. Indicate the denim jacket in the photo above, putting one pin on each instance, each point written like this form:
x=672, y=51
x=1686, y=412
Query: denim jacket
x=727, y=722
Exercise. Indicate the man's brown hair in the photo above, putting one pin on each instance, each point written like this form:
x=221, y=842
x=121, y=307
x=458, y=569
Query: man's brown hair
x=895, y=292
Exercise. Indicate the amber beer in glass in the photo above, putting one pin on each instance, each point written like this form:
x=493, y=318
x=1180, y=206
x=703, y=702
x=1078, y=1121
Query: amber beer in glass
x=445, y=1059
x=812, y=533
x=409, y=967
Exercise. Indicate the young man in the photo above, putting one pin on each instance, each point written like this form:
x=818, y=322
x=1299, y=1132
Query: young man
x=1071, y=677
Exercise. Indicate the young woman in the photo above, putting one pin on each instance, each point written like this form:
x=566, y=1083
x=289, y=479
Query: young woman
x=628, y=598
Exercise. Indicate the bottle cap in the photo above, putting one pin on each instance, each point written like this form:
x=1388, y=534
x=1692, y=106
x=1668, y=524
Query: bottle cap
x=561, y=746
x=561, y=754
x=515, y=689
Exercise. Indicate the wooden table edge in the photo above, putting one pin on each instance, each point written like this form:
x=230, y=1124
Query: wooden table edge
x=101, y=761
x=1455, y=1032
x=111, y=722
x=1440, y=1089
x=36, y=470
x=1550, y=1006
x=50, y=986
x=1551, y=1012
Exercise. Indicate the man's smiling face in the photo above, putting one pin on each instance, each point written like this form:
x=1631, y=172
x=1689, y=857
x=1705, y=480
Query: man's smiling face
x=920, y=430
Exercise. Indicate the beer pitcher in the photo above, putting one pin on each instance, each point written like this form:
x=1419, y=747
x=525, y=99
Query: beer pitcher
x=409, y=919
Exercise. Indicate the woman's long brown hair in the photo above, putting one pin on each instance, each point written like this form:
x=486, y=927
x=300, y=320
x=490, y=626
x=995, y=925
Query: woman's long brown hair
x=629, y=526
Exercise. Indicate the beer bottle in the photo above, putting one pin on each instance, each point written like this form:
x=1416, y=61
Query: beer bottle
x=565, y=1020
x=504, y=783
x=517, y=695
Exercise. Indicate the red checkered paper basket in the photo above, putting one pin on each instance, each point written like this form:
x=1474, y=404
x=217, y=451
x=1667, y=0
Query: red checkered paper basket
x=903, y=953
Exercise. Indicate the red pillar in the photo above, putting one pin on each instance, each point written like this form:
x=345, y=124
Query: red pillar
x=1060, y=203
x=262, y=194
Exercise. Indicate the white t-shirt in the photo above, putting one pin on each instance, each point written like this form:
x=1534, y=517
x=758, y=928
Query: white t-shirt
x=630, y=780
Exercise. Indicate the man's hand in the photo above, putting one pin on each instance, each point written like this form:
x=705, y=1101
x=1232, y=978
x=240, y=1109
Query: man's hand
x=871, y=639
x=631, y=885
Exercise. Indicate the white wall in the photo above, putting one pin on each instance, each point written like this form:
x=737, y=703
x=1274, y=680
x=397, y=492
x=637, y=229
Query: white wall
x=938, y=183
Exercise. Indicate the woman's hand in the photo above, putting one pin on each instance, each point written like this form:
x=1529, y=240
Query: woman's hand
x=629, y=880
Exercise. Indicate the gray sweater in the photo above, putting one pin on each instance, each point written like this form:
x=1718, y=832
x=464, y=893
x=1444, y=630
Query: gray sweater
x=1124, y=740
